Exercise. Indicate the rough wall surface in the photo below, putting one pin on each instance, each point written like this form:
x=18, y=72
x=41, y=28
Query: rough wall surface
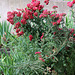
x=10, y=5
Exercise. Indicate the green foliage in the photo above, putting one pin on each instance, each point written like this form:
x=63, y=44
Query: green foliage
x=22, y=59
x=4, y=29
x=69, y=21
x=56, y=46
x=0, y=39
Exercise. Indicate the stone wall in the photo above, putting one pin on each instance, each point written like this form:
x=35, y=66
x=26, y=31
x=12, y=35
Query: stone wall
x=10, y=5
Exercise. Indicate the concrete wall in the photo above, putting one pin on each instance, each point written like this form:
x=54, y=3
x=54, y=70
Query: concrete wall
x=9, y=5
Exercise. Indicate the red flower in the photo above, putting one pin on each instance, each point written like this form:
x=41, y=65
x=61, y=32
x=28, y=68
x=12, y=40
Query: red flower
x=37, y=52
x=62, y=14
x=18, y=34
x=40, y=7
x=23, y=21
x=54, y=23
x=54, y=33
x=46, y=1
x=42, y=59
x=73, y=34
x=21, y=33
x=18, y=24
x=18, y=14
x=44, y=14
x=11, y=21
x=36, y=4
x=17, y=30
x=31, y=17
x=33, y=0
x=10, y=16
x=53, y=15
x=59, y=20
x=57, y=15
x=70, y=4
x=30, y=37
x=28, y=5
x=42, y=36
x=35, y=14
x=25, y=16
x=55, y=7
x=73, y=1
x=35, y=8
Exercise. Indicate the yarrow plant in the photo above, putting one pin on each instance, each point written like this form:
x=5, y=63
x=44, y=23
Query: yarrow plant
x=48, y=30
x=26, y=20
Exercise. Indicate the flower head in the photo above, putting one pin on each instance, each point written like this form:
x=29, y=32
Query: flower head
x=30, y=37
x=18, y=24
x=17, y=30
x=73, y=34
x=73, y=1
x=21, y=33
x=18, y=14
x=46, y=1
x=23, y=21
x=54, y=7
x=70, y=4
x=37, y=52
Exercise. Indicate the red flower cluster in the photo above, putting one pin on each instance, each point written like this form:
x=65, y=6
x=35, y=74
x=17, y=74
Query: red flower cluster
x=54, y=7
x=73, y=1
x=36, y=14
x=17, y=30
x=20, y=33
x=40, y=56
x=46, y=1
x=70, y=4
x=23, y=21
x=74, y=35
x=10, y=16
x=30, y=37
x=57, y=17
x=17, y=25
x=45, y=13
x=35, y=5
x=19, y=14
x=26, y=14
